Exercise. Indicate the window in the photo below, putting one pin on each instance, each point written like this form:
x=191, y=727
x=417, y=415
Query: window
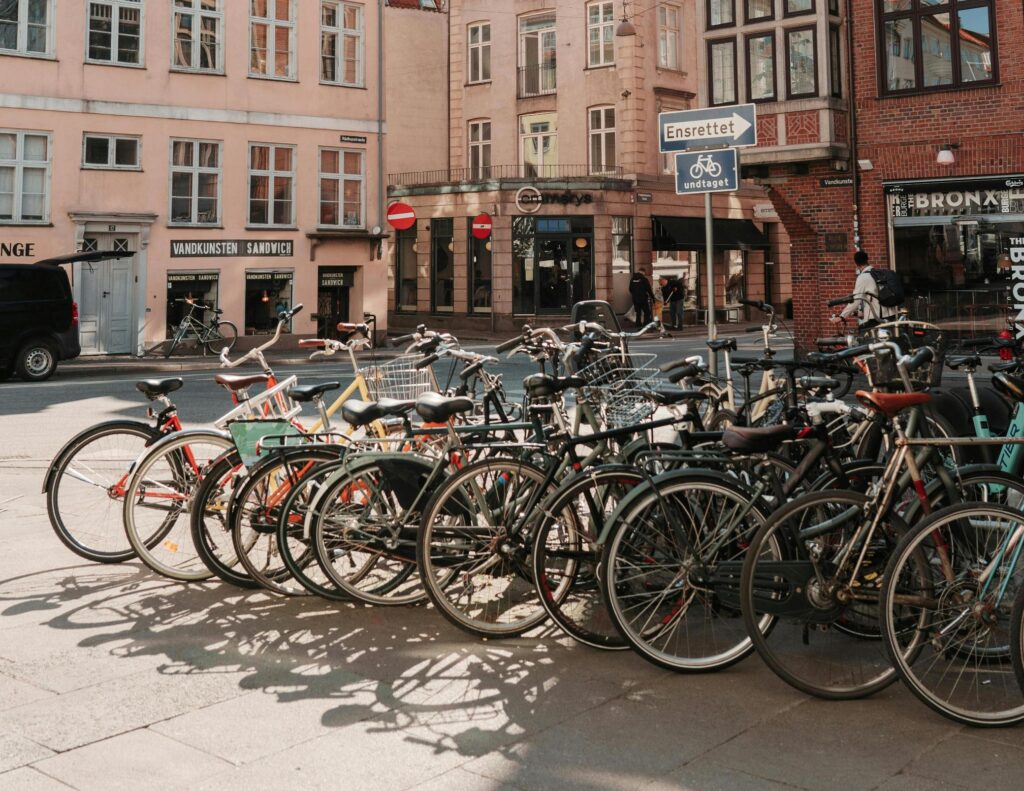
x=341, y=188
x=479, y=150
x=198, y=35
x=272, y=39
x=539, y=144
x=266, y=295
x=668, y=37
x=24, y=177
x=761, y=67
x=622, y=245
x=25, y=27
x=924, y=49
x=115, y=32
x=406, y=280
x=271, y=185
x=722, y=71
x=107, y=152
x=480, y=283
x=801, y=63
x=721, y=13
x=602, y=139
x=797, y=7
x=442, y=260
x=480, y=52
x=835, y=64
x=195, y=182
x=757, y=10
x=341, y=43
x=600, y=34
x=537, y=55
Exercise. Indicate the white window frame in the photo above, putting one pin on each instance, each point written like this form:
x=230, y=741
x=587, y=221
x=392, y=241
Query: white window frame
x=195, y=169
x=341, y=178
x=272, y=26
x=198, y=13
x=524, y=136
x=669, y=37
x=19, y=163
x=111, y=164
x=21, y=46
x=115, y=32
x=604, y=25
x=602, y=133
x=272, y=175
x=342, y=33
x=478, y=48
x=478, y=147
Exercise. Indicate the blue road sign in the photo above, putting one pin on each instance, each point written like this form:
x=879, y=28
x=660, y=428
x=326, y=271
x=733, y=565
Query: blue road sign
x=707, y=171
x=734, y=126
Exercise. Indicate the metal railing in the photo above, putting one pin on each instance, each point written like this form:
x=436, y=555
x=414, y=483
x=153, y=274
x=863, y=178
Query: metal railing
x=499, y=173
x=537, y=79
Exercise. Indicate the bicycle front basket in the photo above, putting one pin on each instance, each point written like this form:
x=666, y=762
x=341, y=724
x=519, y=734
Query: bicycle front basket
x=399, y=379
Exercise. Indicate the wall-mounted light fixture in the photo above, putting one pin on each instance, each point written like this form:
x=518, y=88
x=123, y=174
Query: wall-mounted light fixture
x=625, y=27
x=945, y=155
x=265, y=297
x=865, y=164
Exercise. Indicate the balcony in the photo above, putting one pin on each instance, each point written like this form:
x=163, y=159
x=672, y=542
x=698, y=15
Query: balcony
x=538, y=79
x=497, y=173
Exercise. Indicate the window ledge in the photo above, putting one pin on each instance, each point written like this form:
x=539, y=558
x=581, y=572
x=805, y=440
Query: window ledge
x=137, y=66
x=196, y=226
x=973, y=86
x=330, y=84
x=270, y=227
x=111, y=169
x=331, y=232
x=599, y=68
x=271, y=78
x=468, y=84
x=24, y=224
x=13, y=53
x=198, y=72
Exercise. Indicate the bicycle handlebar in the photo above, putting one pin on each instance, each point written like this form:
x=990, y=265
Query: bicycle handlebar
x=427, y=361
x=257, y=354
x=923, y=355
x=756, y=303
x=835, y=303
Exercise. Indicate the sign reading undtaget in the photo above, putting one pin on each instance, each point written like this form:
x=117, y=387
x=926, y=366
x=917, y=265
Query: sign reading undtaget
x=710, y=171
x=233, y=248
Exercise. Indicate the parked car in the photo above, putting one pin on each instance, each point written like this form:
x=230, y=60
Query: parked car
x=38, y=316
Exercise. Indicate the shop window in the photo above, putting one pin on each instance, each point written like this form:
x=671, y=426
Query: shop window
x=722, y=71
x=552, y=263
x=406, y=271
x=801, y=62
x=24, y=177
x=341, y=43
x=442, y=264
x=341, y=188
x=721, y=13
x=479, y=52
x=668, y=36
x=271, y=185
x=759, y=10
x=539, y=144
x=600, y=33
x=480, y=283
x=479, y=150
x=195, y=182
x=761, y=67
x=272, y=39
x=110, y=152
x=199, y=287
x=198, y=35
x=115, y=32
x=26, y=27
x=266, y=295
x=622, y=245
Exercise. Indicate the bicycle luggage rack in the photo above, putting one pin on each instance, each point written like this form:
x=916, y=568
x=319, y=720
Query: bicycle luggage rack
x=275, y=398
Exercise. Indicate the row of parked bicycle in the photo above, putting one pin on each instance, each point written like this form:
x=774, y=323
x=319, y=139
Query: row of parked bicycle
x=848, y=542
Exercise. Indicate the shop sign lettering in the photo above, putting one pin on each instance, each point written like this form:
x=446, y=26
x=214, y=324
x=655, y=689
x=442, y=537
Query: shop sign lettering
x=233, y=248
x=1017, y=282
x=993, y=196
x=17, y=249
x=530, y=199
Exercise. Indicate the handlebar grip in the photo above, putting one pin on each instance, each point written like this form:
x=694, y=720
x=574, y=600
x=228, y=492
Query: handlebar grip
x=853, y=351
x=835, y=303
x=510, y=344
x=835, y=340
x=401, y=340
x=295, y=311
x=755, y=303
x=683, y=373
x=426, y=361
x=923, y=355
x=666, y=367
x=469, y=370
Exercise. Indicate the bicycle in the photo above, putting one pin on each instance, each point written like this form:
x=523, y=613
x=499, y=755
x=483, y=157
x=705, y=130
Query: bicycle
x=217, y=337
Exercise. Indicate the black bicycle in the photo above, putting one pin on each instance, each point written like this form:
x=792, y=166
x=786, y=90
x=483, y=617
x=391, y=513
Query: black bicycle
x=216, y=337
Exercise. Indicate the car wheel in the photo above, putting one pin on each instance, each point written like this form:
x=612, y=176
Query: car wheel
x=37, y=361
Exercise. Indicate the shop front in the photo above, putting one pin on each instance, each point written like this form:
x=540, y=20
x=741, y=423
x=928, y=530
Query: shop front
x=552, y=264
x=952, y=243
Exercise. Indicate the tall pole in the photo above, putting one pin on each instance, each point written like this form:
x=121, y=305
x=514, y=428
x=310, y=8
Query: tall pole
x=709, y=254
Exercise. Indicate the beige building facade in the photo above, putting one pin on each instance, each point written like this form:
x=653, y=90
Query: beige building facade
x=553, y=135
x=233, y=148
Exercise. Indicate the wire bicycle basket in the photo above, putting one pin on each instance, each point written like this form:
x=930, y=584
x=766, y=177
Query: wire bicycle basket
x=618, y=385
x=398, y=378
x=909, y=336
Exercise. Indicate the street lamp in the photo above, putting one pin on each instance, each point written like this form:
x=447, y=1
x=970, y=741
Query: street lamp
x=625, y=27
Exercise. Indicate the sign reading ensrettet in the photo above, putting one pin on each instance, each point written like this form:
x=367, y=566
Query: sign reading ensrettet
x=233, y=248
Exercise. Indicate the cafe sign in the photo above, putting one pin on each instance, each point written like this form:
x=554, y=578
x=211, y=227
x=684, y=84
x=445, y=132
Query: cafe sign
x=1003, y=195
x=233, y=248
x=530, y=199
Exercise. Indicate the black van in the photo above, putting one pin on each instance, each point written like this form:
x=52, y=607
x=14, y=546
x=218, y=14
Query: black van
x=38, y=316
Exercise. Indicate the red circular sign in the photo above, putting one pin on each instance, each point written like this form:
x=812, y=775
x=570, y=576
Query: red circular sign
x=482, y=226
x=401, y=216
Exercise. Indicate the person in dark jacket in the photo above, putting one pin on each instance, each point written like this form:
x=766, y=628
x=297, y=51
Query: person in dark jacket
x=673, y=294
x=643, y=295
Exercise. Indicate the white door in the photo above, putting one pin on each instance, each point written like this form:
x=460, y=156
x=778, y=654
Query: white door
x=105, y=296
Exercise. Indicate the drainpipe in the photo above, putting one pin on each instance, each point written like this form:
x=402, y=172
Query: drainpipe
x=381, y=198
x=852, y=124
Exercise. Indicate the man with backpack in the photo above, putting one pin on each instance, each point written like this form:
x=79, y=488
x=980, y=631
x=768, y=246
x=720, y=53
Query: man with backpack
x=876, y=294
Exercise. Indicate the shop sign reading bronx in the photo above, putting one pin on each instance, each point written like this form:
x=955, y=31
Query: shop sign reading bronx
x=1017, y=281
x=233, y=248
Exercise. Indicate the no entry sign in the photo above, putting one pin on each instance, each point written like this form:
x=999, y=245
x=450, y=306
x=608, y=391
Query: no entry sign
x=401, y=216
x=482, y=226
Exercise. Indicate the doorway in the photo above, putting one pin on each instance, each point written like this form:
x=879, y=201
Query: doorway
x=332, y=302
x=105, y=291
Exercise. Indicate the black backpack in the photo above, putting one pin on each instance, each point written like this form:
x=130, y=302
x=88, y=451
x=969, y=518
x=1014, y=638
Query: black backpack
x=890, y=287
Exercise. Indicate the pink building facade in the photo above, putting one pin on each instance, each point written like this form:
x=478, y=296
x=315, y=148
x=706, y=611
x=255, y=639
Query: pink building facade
x=233, y=148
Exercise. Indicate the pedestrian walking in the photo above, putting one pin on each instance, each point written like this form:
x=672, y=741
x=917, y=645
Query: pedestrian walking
x=673, y=294
x=868, y=304
x=643, y=295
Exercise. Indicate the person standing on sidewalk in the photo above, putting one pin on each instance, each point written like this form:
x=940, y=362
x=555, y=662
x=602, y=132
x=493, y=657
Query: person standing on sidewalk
x=865, y=304
x=643, y=295
x=673, y=293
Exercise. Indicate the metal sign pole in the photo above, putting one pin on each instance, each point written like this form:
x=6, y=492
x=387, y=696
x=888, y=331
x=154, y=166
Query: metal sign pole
x=709, y=254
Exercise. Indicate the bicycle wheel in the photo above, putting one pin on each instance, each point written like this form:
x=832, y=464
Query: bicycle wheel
x=670, y=568
x=211, y=533
x=1017, y=638
x=172, y=344
x=946, y=612
x=85, y=489
x=567, y=555
x=221, y=338
x=826, y=640
x=474, y=548
x=159, y=499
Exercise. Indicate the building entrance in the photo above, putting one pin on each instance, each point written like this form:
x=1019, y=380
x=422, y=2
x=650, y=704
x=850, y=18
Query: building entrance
x=105, y=291
x=332, y=304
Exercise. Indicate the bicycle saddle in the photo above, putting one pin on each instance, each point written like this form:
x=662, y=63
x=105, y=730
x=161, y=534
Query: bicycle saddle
x=1009, y=385
x=891, y=404
x=757, y=440
x=154, y=388
x=436, y=408
x=305, y=393
x=362, y=413
x=235, y=382
x=544, y=385
x=969, y=360
x=725, y=343
x=1012, y=365
x=667, y=394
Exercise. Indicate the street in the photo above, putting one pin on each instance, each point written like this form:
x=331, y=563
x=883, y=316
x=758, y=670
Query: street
x=109, y=674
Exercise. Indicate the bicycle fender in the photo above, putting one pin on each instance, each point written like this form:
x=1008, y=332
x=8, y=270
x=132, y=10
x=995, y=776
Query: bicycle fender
x=65, y=449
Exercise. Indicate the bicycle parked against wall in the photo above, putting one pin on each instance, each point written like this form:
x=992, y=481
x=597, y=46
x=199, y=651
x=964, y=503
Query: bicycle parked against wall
x=216, y=337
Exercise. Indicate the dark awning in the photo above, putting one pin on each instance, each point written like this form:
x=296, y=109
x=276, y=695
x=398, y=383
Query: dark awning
x=687, y=233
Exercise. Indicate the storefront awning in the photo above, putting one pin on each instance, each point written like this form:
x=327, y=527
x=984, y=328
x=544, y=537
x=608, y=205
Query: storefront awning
x=687, y=233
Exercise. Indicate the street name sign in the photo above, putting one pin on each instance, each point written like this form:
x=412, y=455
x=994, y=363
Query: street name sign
x=707, y=171
x=682, y=130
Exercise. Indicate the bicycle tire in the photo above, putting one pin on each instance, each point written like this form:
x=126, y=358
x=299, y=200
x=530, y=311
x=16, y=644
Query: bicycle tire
x=179, y=334
x=223, y=341
x=211, y=533
x=76, y=530
x=1017, y=638
x=960, y=645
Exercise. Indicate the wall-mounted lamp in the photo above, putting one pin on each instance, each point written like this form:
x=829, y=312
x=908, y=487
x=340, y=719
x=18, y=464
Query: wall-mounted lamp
x=487, y=245
x=581, y=242
x=945, y=155
x=865, y=164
